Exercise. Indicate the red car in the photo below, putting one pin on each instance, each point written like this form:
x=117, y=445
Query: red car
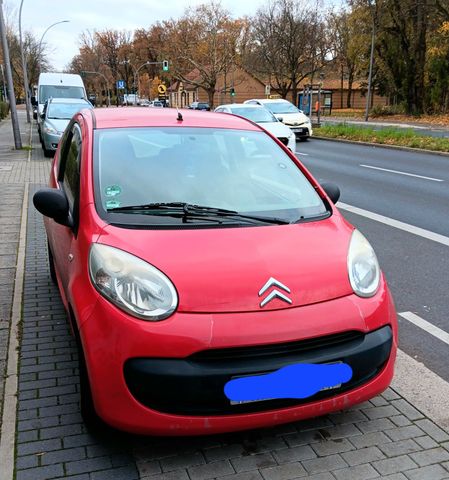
x=197, y=257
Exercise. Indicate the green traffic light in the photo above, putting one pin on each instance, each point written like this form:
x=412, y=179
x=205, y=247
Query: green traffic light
x=165, y=65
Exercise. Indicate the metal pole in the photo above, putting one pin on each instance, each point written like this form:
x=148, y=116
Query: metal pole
x=370, y=75
x=43, y=35
x=11, y=94
x=24, y=68
x=3, y=96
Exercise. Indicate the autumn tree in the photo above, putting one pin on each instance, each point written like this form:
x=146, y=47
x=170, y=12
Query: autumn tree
x=348, y=46
x=203, y=40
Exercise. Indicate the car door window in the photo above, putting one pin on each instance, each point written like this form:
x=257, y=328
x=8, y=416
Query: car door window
x=69, y=173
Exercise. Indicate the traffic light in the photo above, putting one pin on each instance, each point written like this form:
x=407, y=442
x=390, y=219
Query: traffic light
x=165, y=65
x=232, y=91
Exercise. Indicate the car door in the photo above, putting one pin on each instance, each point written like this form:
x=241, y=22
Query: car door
x=69, y=183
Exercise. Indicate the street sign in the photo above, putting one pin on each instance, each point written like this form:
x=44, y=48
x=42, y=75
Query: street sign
x=161, y=88
x=120, y=84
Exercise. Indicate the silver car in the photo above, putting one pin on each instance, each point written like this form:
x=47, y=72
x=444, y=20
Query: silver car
x=56, y=116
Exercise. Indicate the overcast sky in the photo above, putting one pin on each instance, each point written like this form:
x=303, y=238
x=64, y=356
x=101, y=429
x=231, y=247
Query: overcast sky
x=62, y=40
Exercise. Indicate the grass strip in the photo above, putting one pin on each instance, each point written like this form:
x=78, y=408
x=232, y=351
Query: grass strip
x=403, y=137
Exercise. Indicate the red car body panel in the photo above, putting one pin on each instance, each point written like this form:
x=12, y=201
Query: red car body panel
x=217, y=274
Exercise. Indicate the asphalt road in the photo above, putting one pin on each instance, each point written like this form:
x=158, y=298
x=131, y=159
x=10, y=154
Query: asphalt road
x=416, y=268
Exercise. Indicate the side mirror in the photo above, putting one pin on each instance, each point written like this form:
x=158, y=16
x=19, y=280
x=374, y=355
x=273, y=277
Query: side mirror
x=280, y=119
x=53, y=203
x=332, y=191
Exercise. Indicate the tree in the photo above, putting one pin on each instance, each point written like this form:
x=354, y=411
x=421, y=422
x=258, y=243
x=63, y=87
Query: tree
x=348, y=43
x=290, y=44
x=204, y=41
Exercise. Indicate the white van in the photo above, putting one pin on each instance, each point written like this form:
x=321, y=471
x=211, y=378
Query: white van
x=58, y=85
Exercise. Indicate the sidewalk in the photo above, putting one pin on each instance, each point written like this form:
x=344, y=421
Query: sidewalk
x=385, y=438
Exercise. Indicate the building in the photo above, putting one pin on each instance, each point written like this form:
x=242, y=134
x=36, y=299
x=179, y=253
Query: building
x=245, y=86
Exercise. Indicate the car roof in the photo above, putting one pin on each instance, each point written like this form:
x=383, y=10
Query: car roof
x=269, y=100
x=240, y=105
x=167, y=117
x=68, y=100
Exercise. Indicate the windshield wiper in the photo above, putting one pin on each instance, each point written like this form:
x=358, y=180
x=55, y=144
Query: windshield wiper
x=190, y=209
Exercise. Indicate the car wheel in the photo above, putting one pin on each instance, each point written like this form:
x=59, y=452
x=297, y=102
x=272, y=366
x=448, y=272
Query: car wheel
x=47, y=153
x=91, y=419
x=51, y=264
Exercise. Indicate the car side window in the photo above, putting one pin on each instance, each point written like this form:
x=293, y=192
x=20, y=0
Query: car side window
x=69, y=172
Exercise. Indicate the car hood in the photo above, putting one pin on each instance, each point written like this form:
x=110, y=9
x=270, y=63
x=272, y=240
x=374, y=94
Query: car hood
x=292, y=119
x=58, y=125
x=278, y=129
x=224, y=269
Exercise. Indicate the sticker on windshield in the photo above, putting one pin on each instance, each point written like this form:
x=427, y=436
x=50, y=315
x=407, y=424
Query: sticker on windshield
x=113, y=204
x=113, y=190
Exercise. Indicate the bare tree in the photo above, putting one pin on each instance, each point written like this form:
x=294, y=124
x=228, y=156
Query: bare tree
x=203, y=41
x=290, y=44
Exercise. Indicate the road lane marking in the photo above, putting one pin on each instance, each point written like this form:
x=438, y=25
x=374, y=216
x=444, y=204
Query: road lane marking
x=425, y=325
x=421, y=232
x=403, y=173
x=301, y=153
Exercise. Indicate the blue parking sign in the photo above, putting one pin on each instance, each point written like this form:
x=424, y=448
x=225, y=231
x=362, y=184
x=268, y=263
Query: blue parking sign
x=121, y=84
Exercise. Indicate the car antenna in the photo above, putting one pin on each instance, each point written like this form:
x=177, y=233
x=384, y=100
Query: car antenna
x=180, y=119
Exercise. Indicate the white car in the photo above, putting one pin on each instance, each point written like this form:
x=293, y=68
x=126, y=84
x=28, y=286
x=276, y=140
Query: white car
x=288, y=114
x=265, y=119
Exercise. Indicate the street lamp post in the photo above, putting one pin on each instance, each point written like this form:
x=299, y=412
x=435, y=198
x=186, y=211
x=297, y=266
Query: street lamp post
x=24, y=68
x=137, y=75
x=11, y=95
x=106, y=81
x=47, y=29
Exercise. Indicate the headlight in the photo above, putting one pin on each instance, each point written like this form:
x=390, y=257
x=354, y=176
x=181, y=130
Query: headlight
x=131, y=284
x=50, y=130
x=363, y=267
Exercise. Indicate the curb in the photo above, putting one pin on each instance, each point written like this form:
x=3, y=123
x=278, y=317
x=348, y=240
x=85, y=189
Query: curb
x=382, y=145
x=8, y=426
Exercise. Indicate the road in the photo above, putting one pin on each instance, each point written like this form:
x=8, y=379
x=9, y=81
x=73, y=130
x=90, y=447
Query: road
x=412, y=188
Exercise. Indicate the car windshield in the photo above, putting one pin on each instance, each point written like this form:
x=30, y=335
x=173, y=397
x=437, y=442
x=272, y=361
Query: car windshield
x=258, y=115
x=64, y=111
x=205, y=105
x=281, y=107
x=59, y=91
x=238, y=170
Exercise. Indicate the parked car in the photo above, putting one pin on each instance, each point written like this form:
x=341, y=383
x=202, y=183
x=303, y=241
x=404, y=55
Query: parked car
x=196, y=256
x=55, y=118
x=287, y=113
x=156, y=104
x=199, y=106
x=57, y=85
x=144, y=102
x=265, y=119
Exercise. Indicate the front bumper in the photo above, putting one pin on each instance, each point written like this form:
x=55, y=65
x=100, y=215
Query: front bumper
x=158, y=377
x=195, y=385
x=51, y=140
x=303, y=131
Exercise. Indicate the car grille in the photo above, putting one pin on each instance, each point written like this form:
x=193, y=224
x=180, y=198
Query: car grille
x=276, y=349
x=284, y=140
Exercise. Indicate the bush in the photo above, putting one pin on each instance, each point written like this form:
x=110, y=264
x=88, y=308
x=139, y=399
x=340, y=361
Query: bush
x=4, y=109
x=387, y=110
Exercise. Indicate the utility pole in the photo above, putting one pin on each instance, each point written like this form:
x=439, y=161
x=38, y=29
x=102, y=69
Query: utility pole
x=11, y=95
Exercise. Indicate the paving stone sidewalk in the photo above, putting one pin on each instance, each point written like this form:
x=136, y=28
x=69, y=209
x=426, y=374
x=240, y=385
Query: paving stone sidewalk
x=384, y=438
